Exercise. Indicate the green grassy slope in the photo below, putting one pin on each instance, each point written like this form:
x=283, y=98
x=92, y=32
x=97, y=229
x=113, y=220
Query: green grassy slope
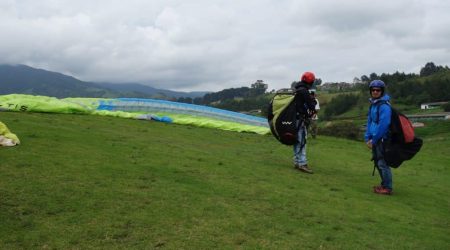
x=84, y=182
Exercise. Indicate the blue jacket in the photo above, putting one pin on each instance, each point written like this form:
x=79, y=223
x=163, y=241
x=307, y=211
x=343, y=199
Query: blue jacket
x=375, y=131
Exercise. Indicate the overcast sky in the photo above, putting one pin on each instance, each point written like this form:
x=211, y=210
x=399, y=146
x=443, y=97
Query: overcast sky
x=210, y=45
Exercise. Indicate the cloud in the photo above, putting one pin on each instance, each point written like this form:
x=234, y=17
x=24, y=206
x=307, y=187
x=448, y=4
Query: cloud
x=212, y=45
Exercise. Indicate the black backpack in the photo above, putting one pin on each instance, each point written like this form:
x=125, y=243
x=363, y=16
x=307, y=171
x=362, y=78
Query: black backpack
x=282, y=117
x=403, y=145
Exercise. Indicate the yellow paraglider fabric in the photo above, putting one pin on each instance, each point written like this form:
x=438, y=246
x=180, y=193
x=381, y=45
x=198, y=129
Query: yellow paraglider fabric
x=6, y=137
x=30, y=103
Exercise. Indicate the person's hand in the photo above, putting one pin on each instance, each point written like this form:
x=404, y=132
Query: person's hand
x=369, y=144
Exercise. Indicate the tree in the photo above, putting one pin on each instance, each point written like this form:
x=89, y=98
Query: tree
x=258, y=88
x=356, y=80
x=373, y=76
x=317, y=82
x=198, y=100
x=259, y=84
x=429, y=69
x=184, y=100
x=365, y=79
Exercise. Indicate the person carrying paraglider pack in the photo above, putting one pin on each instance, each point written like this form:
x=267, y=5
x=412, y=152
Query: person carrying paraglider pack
x=377, y=133
x=305, y=109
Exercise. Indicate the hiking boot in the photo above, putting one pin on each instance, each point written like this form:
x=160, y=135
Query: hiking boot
x=304, y=168
x=383, y=190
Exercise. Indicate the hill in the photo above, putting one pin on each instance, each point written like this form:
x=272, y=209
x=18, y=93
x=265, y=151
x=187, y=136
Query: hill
x=147, y=90
x=80, y=181
x=22, y=79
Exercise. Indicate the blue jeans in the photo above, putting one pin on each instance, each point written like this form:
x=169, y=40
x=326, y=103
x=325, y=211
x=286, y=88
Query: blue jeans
x=300, y=147
x=383, y=169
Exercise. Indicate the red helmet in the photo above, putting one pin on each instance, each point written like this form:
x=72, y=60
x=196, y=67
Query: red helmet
x=308, y=78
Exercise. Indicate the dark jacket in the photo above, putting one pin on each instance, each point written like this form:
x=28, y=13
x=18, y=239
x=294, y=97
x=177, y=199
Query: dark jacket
x=305, y=104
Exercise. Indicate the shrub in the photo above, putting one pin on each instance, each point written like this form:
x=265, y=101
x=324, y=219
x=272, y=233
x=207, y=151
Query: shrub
x=446, y=107
x=344, y=129
x=340, y=104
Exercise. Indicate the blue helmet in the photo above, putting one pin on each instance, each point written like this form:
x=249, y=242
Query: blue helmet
x=377, y=84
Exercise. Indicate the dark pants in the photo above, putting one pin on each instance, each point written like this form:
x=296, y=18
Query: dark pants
x=383, y=169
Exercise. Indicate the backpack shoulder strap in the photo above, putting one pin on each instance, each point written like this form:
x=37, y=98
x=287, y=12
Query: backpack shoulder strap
x=378, y=104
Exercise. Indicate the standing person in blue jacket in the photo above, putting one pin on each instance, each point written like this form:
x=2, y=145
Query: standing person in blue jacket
x=377, y=133
x=305, y=108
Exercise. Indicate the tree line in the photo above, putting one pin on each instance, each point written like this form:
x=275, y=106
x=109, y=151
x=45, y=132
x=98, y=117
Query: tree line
x=234, y=99
x=431, y=85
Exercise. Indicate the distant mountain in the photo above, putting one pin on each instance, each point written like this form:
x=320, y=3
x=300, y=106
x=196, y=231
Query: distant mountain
x=22, y=79
x=139, y=88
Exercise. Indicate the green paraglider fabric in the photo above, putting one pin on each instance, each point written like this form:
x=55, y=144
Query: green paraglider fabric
x=31, y=103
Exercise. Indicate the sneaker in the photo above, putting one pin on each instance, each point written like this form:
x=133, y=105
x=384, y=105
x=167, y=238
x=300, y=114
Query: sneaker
x=383, y=190
x=377, y=187
x=304, y=168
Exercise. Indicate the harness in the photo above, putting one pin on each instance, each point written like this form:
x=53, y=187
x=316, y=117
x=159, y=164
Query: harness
x=378, y=104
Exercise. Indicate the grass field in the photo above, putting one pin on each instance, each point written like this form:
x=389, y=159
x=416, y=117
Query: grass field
x=89, y=182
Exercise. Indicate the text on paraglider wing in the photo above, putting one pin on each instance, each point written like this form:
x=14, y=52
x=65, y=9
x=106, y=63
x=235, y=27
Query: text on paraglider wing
x=14, y=106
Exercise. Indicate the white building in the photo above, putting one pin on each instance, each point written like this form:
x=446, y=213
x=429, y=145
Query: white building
x=431, y=105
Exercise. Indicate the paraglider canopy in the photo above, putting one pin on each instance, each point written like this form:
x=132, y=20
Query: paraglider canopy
x=7, y=138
